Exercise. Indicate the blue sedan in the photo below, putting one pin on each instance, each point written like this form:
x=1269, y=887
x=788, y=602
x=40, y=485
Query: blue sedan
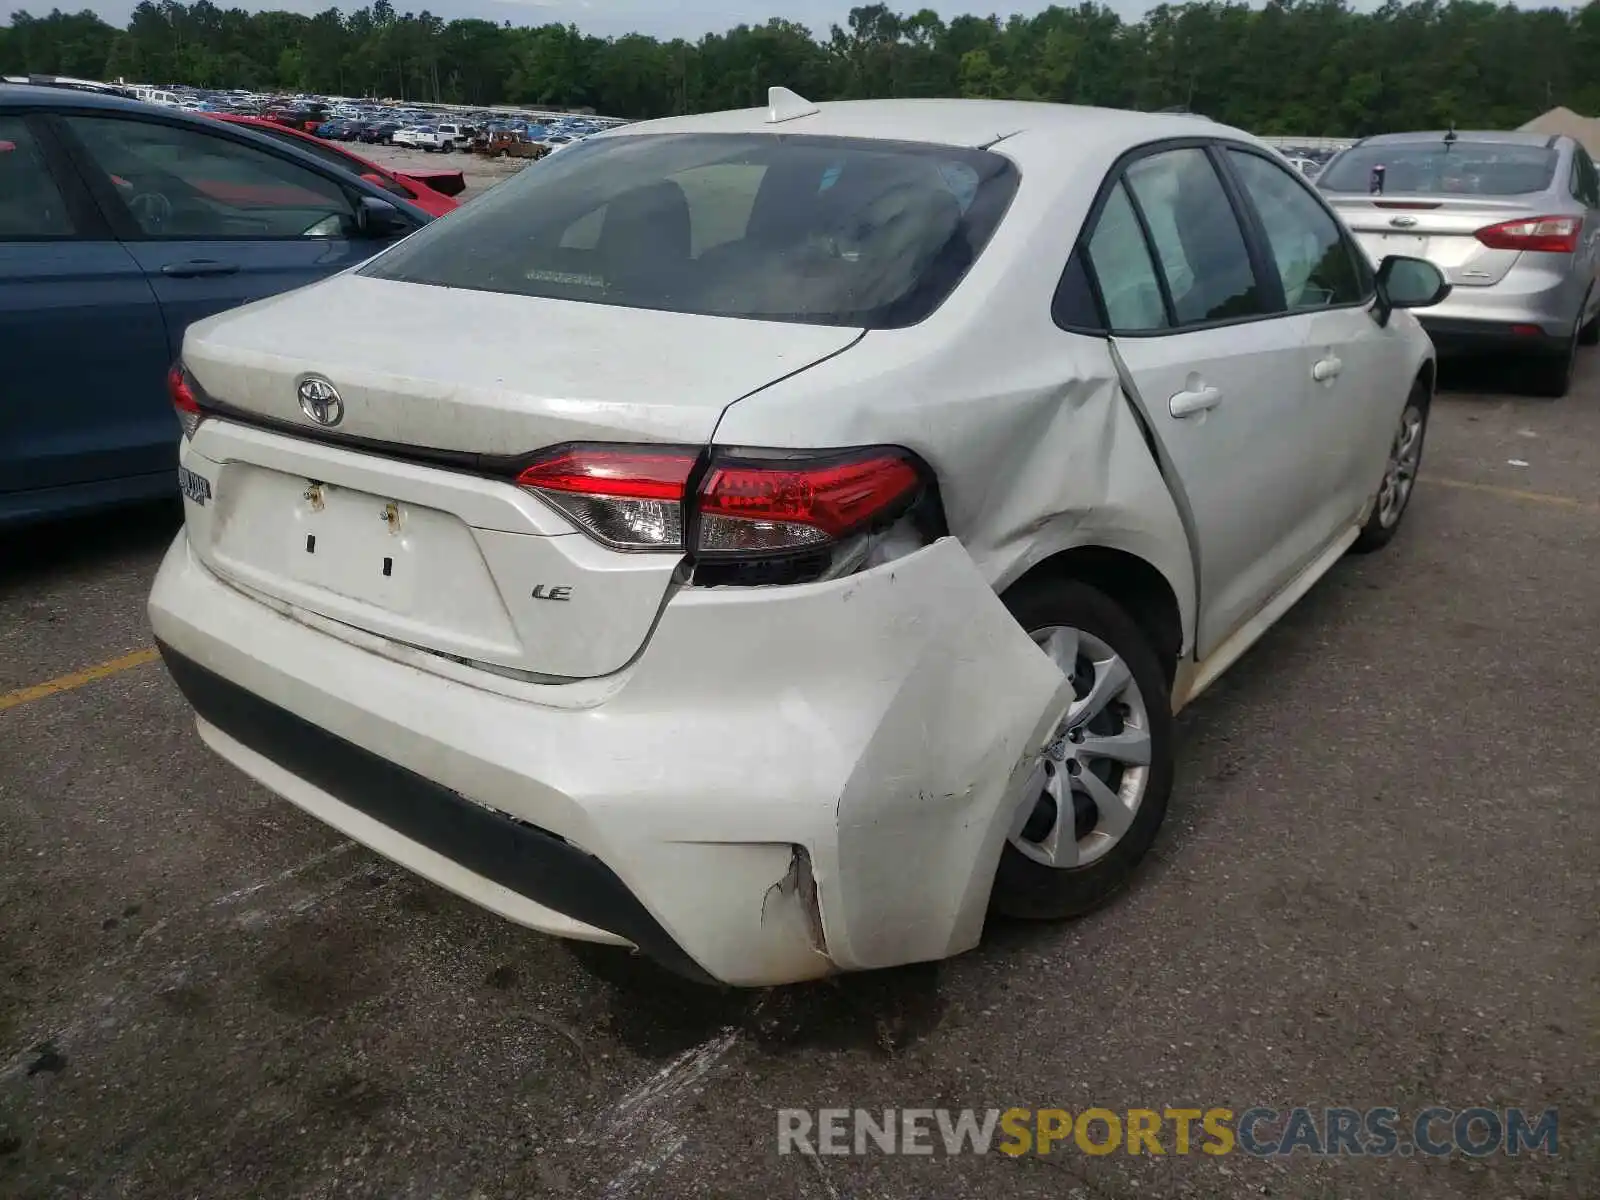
x=120, y=224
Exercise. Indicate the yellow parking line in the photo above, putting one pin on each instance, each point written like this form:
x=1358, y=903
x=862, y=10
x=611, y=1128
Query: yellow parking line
x=1508, y=493
x=65, y=683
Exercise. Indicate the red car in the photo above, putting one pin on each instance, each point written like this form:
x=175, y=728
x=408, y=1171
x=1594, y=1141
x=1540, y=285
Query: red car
x=414, y=188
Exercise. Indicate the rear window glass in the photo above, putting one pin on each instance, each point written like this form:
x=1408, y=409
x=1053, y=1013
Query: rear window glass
x=1464, y=168
x=825, y=231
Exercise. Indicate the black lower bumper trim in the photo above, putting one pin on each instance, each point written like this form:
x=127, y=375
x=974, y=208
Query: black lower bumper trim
x=529, y=861
x=1456, y=335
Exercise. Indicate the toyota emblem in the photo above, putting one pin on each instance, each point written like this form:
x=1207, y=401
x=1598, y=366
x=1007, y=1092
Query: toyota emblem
x=320, y=401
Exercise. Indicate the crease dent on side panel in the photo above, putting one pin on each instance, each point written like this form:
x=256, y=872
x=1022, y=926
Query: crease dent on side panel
x=1078, y=469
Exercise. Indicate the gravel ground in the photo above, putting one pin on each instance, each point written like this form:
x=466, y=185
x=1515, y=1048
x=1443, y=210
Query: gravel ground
x=481, y=173
x=1377, y=886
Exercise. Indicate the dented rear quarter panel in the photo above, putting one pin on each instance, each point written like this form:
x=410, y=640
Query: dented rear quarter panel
x=1035, y=446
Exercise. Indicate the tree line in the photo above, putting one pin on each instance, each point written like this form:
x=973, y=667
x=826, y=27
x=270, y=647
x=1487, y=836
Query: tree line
x=1313, y=67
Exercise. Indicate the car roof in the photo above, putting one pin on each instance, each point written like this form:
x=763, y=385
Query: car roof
x=26, y=95
x=1505, y=137
x=965, y=123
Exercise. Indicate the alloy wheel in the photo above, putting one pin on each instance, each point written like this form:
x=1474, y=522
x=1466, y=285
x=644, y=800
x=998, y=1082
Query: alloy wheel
x=1089, y=783
x=1400, y=476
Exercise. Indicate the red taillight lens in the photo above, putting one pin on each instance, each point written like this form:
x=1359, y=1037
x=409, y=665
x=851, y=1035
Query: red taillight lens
x=749, y=503
x=1547, y=235
x=181, y=388
x=629, y=497
x=749, y=506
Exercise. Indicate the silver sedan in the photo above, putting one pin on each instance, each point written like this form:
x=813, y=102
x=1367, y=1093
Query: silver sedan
x=1512, y=219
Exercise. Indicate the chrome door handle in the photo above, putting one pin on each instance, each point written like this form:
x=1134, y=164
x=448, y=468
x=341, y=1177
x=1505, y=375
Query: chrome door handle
x=1186, y=404
x=1326, y=369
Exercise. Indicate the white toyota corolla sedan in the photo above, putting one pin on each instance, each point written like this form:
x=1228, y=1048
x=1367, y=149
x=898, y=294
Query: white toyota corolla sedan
x=774, y=540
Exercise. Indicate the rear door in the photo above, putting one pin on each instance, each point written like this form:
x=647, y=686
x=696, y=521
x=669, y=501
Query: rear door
x=83, y=346
x=214, y=222
x=1358, y=371
x=1220, y=367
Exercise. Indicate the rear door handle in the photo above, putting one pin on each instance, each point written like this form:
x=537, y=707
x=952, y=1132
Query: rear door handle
x=1186, y=404
x=1326, y=369
x=198, y=268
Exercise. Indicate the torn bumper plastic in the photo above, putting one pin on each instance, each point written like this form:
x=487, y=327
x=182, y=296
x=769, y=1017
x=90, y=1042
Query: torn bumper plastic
x=786, y=782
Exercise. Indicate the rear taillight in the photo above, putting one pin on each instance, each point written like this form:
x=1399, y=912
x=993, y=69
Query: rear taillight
x=185, y=398
x=629, y=497
x=756, y=506
x=789, y=515
x=1547, y=235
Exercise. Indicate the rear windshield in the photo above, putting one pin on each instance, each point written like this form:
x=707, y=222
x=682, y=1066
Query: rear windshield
x=824, y=231
x=1464, y=168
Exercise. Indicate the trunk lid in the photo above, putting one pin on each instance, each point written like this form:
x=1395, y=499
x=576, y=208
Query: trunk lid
x=481, y=372
x=1439, y=228
x=435, y=549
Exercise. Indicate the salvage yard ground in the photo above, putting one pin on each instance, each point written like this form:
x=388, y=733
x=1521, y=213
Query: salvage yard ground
x=1377, y=886
x=481, y=173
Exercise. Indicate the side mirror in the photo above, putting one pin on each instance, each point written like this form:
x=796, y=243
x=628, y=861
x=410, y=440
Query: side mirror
x=377, y=218
x=1408, y=283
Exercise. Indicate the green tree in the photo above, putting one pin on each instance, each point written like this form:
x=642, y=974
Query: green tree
x=1285, y=66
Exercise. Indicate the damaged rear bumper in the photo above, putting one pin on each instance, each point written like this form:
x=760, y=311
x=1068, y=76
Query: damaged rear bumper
x=787, y=782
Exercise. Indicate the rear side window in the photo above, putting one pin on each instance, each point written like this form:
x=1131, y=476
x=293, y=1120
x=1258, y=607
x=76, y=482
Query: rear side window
x=31, y=205
x=1585, y=180
x=1459, y=168
x=1199, y=245
x=1124, y=270
x=826, y=231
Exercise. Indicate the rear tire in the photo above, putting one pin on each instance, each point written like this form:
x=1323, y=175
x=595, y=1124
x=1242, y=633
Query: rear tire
x=1031, y=889
x=1551, y=375
x=1589, y=335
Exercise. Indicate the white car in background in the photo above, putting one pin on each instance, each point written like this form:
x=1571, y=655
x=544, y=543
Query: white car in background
x=434, y=138
x=888, y=474
x=444, y=137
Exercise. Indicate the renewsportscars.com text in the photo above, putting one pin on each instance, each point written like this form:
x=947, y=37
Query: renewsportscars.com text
x=1259, y=1132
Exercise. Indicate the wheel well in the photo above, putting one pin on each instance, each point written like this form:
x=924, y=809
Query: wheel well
x=1134, y=584
x=1428, y=376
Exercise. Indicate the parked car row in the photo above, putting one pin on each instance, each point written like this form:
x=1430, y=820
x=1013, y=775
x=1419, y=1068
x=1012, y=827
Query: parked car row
x=374, y=122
